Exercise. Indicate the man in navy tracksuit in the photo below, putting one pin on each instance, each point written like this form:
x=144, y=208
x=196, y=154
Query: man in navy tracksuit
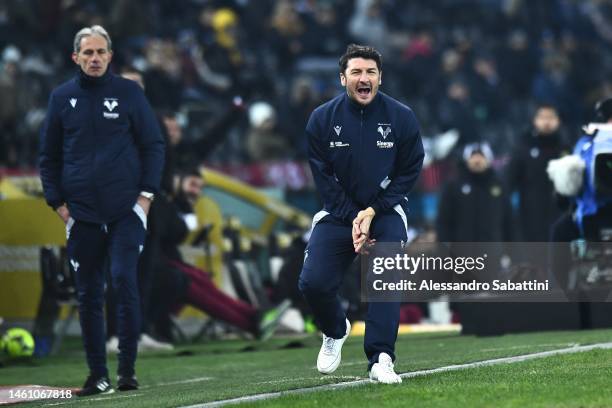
x=101, y=159
x=365, y=152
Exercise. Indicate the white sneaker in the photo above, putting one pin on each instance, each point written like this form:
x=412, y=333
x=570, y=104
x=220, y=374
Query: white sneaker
x=112, y=345
x=148, y=343
x=331, y=352
x=383, y=372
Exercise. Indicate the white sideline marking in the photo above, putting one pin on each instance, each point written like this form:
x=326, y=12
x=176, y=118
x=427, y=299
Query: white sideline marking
x=456, y=367
x=320, y=378
x=531, y=345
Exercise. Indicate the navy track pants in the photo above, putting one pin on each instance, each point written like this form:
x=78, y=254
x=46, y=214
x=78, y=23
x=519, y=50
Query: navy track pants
x=328, y=255
x=88, y=248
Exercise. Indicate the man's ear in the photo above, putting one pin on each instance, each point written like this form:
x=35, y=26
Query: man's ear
x=75, y=58
x=380, y=78
x=342, y=79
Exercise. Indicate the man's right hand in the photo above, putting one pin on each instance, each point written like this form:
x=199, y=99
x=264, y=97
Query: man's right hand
x=361, y=229
x=63, y=212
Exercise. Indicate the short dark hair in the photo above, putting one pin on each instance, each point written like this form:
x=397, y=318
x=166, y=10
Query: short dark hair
x=192, y=171
x=360, y=51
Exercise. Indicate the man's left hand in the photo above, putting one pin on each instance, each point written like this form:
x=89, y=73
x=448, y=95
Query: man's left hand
x=144, y=203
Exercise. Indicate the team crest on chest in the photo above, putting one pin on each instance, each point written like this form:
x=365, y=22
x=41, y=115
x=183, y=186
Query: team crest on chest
x=384, y=131
x=110, y=104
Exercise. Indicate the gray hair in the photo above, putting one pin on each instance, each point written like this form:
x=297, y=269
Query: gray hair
x=89, y=31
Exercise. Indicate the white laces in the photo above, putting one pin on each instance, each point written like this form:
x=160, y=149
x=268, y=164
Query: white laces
x=328, y=345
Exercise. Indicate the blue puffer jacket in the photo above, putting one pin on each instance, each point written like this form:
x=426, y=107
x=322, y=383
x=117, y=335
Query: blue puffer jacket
x=364, y=156
x=100, y=145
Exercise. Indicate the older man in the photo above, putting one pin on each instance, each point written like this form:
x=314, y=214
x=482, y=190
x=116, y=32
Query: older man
x=101, y=159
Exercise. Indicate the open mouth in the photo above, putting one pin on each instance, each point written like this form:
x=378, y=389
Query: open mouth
x=364, y=91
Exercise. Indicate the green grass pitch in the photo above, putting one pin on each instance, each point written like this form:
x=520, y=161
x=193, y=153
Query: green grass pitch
x=218, y=370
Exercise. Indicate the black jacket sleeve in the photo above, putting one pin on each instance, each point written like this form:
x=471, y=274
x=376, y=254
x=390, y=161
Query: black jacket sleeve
x=51, y=155
x=408, y=165
x=150, y=143
x=335, y=199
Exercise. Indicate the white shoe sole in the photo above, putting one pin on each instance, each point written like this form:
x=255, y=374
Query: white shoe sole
x=331, y=368
x=375, y=380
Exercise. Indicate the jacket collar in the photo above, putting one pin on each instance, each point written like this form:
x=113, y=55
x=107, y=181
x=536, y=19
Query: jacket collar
x=87, y=81
x=358, y=108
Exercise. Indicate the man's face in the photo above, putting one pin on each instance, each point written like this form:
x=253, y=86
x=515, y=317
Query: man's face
x=94, y=55
x=477, y=163
x=361, y=80
x=175, y=133
x=546, y=121
x=192, y=187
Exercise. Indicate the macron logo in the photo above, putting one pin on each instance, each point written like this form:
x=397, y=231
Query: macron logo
x=75, y=265
x=73, y=102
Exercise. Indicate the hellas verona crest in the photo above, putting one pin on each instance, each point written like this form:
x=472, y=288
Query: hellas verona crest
x=110, y=104
x=384, y=132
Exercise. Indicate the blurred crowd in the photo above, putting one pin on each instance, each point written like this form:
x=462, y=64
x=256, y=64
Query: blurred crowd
x=477, y=66
x=495, y=84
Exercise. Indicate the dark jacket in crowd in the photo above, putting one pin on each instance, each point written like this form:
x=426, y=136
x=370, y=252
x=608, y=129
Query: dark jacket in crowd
x=538, y=207
x=100, y=146
x=475, y=208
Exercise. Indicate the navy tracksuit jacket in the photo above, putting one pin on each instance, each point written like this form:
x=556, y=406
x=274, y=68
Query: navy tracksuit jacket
x=359, y=157
x=100, y=146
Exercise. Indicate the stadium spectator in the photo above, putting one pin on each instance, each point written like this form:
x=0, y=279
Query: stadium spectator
x=527, y=175
x=164, y=87
x=286, y=36
x=265, y=142
x=457, y=111
x=369, y=26
x=475, y=207
x=518, y=64
x=178, y=283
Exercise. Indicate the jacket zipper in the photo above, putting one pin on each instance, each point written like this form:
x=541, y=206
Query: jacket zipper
x=94, y=153
x=360, y=151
